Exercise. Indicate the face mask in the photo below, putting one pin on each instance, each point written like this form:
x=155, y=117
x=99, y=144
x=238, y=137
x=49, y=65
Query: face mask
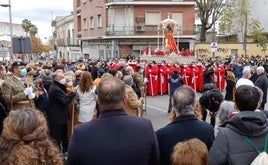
x=63, y=81
x=23, y=72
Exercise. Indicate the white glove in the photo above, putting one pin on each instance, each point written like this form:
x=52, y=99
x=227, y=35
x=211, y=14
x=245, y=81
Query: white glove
x=145, y=80
x=31, y=96
x=28, y=90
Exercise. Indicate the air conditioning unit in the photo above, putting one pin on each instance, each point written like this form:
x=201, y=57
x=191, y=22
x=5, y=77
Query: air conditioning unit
x=140, y=28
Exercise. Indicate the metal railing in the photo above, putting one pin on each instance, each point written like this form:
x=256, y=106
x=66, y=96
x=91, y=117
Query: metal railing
x=125, y=30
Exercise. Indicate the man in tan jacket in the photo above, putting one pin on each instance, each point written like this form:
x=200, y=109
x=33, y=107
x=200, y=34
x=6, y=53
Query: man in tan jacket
x=17, y=93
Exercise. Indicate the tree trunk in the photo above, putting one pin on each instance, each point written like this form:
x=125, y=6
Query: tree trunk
x=202, y=37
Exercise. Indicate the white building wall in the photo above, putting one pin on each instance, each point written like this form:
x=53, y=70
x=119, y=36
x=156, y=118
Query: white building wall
x=5, y=30
x=258, y=9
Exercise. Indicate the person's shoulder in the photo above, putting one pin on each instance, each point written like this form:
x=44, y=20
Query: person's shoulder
x=205, y=125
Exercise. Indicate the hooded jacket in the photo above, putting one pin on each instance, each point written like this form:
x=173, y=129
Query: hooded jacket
x=230, y=147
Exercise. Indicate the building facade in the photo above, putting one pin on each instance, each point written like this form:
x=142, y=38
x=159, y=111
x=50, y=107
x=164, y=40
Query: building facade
x=118, y=28
x=68, y=48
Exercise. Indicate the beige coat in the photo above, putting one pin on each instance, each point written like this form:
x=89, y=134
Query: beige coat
x=133, y=103
x=13, y=91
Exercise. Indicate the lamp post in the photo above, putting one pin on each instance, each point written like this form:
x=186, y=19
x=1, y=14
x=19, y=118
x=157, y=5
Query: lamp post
x=10, y=25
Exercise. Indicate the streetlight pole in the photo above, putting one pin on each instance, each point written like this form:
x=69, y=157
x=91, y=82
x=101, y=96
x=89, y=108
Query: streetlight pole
x=10, y=25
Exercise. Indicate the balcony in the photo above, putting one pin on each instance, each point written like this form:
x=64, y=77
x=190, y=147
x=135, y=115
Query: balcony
x=122, y=30
x=149, y=2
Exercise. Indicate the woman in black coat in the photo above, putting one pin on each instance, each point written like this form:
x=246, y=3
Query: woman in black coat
x=230, y=86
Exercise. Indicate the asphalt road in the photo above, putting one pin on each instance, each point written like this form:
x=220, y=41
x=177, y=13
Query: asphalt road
x=156, y=110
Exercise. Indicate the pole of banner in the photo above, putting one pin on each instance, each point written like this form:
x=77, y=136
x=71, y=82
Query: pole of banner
x=72, y=125
x=186, y=81
x=151, y=84
x=194, y=81
x=145, y=90
x=168, y=84
x=219, y=80
x=161, y=82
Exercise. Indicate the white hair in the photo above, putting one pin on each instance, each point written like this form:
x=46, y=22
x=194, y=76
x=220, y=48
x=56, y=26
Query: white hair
x=260, y=69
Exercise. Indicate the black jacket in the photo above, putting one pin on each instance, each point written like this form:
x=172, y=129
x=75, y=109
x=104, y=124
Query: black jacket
x=182, y=128
x=57, y=110
x=262, y=83
x=114, y=138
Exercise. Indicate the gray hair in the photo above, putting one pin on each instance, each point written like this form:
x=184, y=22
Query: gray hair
x=260, y=70
x=226, y=108
x=184, y=100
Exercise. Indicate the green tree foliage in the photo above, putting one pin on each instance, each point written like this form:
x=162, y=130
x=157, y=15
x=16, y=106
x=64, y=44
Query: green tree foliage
x=209, y=12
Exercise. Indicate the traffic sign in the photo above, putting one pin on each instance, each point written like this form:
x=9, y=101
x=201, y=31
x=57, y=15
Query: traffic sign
x=214, y=46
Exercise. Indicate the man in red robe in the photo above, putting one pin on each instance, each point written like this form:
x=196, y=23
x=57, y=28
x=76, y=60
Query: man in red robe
x=199, y=80
x=163, y=78
x=151, y=73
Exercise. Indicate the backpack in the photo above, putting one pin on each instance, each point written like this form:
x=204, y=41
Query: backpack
x=262, y=157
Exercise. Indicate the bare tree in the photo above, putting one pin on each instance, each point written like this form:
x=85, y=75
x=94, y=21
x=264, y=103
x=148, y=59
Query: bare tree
x=209, y=12
x=236, y=20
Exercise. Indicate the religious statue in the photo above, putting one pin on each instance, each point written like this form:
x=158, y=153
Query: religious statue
x=170, y=43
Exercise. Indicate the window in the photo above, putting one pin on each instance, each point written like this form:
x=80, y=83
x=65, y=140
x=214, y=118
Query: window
x=178, y=17
x=152, y=17
x=99, y=21
x=91, y=22
x=85, y=23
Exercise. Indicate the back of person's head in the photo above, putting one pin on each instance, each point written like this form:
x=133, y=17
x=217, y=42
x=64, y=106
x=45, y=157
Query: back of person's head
x=211, y=100
x=246, y=72
x=190, y=152
x=260, y=70
x=25, y=139
x=226, y=108
x=184, y=100
x=260, y=93
x=129, y=70
x=86, y=82
x=230, y=76
x=128, y=80
x=111, y=92
x=247, y=98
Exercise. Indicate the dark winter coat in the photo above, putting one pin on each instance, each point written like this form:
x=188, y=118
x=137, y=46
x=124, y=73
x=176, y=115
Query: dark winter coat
x=182, y=128
x=114, y=138
x=262, y=83
x=230, y=147
x=174, y=81
x=57, y=110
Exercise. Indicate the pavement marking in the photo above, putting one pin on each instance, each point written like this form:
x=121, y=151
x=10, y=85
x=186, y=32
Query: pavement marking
x=156, y=108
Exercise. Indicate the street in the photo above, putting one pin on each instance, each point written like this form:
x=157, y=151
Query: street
x=157, y=110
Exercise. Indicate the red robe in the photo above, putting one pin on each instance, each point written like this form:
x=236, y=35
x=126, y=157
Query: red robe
x=151, y=73
x=163, y=81
x=199, y=79
x=193, y=77
x=220, y=77
x=186, y=73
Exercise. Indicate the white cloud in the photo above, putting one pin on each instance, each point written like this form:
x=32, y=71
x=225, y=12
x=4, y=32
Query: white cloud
x=39, y=12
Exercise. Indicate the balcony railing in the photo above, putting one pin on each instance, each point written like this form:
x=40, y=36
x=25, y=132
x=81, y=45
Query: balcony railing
x=109, y=1
x=123, y=30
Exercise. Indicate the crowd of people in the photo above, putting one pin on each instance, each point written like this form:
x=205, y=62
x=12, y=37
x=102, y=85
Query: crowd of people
x=90, y=112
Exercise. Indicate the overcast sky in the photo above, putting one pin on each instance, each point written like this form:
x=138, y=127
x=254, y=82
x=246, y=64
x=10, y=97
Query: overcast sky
x=39, y=12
